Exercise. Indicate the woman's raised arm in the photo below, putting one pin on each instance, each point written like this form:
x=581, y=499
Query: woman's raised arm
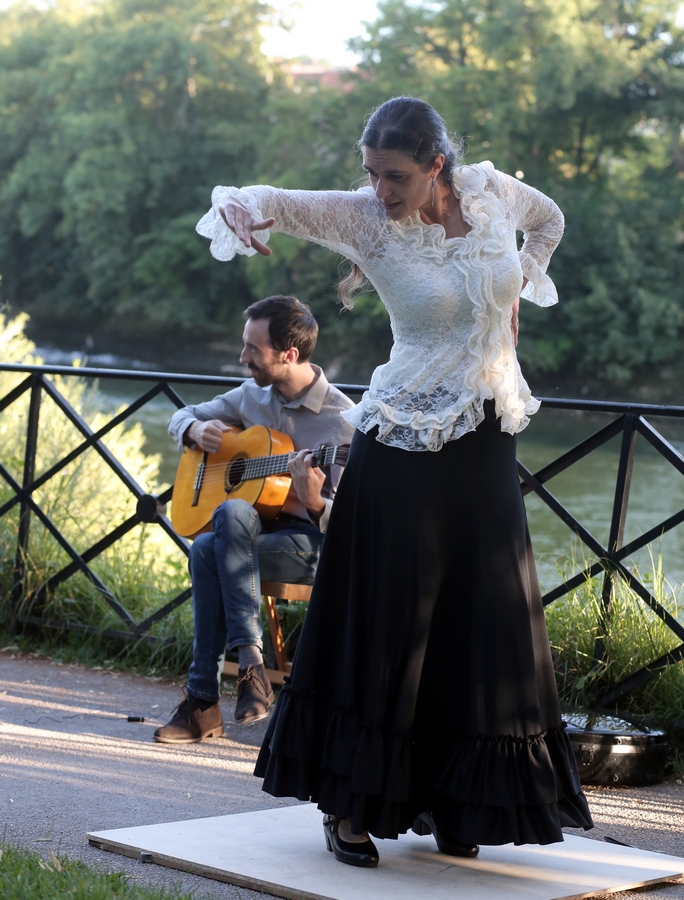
x=238, y=222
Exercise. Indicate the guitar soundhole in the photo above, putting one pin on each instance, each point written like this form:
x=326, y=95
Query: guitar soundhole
x=235, y=473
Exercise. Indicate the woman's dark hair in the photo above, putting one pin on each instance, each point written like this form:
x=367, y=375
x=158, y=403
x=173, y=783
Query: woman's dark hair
x=413, y=127
x=290, y=323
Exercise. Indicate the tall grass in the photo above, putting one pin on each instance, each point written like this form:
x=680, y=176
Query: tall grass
x=86, y=500
x=632, y=636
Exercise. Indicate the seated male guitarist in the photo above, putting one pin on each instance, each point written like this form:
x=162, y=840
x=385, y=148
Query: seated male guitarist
x=289, y=394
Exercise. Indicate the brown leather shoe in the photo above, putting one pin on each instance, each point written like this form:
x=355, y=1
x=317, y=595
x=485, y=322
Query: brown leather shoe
x=254, y=695
x=193, y=720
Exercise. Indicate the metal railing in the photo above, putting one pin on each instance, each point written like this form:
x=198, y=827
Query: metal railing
x=630, y=421
x=149, y=508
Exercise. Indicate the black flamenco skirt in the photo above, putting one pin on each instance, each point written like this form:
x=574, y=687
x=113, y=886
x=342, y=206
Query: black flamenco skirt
x=423, y=679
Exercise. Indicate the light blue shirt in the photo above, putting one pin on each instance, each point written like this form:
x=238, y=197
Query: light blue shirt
x=310, y=420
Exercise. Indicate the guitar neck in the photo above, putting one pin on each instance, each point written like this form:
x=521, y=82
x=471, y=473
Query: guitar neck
x=263, y=466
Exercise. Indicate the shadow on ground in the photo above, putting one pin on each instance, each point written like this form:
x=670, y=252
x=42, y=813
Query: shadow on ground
x=71, y=762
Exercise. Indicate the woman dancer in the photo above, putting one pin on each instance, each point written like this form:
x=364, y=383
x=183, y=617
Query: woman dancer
x=423, y=692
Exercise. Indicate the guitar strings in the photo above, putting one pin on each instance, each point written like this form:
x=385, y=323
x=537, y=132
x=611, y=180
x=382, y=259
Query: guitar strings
x=262, y=467
x=247, y=473
x=273, y=461
x=328, y=455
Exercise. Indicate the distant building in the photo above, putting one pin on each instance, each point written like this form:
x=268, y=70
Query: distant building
x=314, y=74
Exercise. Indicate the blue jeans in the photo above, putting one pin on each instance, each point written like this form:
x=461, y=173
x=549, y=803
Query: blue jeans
x=226, y=568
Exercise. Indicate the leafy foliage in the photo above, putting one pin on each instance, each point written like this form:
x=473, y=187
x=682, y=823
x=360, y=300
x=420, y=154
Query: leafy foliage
x=584, y=100
x=117, y=118
x=116, y=121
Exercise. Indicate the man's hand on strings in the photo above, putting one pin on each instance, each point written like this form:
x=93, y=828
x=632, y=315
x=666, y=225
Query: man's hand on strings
x=207, y=435
x=308, y=482
x=241, y=221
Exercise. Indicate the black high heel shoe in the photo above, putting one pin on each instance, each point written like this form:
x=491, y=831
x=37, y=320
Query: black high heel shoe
x=425, y=824
x=364, y=854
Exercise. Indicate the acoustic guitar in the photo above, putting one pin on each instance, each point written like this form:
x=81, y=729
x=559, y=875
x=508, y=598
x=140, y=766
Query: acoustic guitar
x=251, y=465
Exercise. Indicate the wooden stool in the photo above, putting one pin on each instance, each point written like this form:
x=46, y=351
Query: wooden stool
x=272, y=591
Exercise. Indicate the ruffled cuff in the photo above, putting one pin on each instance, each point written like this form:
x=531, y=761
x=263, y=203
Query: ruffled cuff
x=224, y=243
x=539, y=288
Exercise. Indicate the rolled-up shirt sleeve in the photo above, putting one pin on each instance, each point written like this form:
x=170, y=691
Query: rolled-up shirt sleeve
x=225, y=407
x=332, y=480
x=325, y=516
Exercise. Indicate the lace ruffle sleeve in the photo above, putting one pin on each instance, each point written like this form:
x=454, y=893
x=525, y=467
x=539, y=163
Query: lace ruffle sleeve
x=542, y=224
x=224, y=242
x=539, y=289
x=349, y=222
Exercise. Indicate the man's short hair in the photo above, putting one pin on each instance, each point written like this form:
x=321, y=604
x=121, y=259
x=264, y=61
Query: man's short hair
x=290, y=323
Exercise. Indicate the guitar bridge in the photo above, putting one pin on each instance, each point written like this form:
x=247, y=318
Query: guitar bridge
x=199, y=477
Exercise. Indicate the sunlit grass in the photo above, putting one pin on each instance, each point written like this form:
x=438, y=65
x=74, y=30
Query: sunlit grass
x=85, y=500
x=632, y=636
x=26, y=875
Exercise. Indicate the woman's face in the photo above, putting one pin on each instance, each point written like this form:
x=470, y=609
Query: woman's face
x=399, y=182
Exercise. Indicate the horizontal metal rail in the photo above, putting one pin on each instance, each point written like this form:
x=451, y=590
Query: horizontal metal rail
x=630, y=421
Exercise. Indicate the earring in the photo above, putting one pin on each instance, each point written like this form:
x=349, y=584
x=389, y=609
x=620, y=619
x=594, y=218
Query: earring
x=433, y=193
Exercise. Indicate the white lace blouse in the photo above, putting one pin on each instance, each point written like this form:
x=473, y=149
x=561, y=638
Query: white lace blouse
x=449, y=299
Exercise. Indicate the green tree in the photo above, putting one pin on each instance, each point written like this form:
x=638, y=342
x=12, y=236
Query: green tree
x=553, y=88
x=115, y=123
x=116, y=120
x=585, y=101
x=311, y=145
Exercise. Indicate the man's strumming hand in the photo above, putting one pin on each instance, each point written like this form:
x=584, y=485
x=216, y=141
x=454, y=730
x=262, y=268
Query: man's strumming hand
x=207, y=435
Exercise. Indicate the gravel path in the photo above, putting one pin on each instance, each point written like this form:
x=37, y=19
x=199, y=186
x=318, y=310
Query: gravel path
x=70, y=763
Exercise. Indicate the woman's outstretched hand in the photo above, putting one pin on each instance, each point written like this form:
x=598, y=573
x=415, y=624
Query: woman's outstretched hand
x=240, y=220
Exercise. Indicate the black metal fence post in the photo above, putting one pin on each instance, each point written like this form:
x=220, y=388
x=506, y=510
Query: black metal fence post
x=617, y=530
x=30, y=451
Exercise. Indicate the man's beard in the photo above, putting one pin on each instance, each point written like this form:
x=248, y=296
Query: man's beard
x=261, y=377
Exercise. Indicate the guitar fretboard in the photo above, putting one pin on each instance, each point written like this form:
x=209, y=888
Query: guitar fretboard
x=247, y=469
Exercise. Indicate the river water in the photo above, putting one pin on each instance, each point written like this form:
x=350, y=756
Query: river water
x=586, y=489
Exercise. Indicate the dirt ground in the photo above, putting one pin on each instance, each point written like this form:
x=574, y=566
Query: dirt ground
x=70, y=763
